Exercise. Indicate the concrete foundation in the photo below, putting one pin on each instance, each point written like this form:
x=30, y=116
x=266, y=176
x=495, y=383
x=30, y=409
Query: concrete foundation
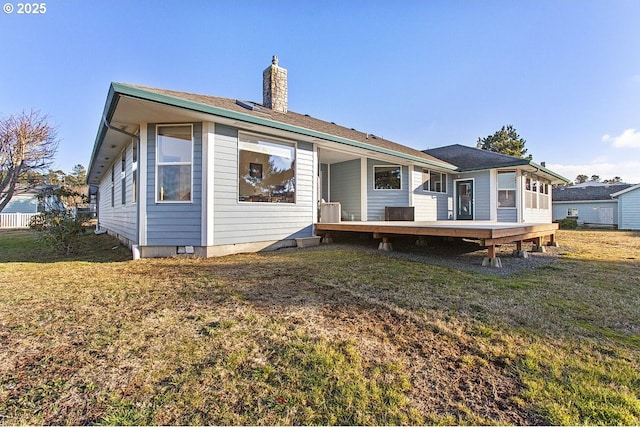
x=492, y=262
x=385, y=246
x=520, y=254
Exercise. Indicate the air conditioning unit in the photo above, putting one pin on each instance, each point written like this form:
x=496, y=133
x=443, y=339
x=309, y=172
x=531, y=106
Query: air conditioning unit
x=330, y=212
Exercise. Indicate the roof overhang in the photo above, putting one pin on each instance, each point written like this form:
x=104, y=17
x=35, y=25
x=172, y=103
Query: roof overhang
x=626, y=190
x=126, y=107
x=528, y=166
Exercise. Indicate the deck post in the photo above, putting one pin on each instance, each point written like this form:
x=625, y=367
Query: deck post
x=552, y=241
x=519, y=253
x=326, y=238
x=422, y=241
x=537, y=245
x=492, y=260
x=385, y=245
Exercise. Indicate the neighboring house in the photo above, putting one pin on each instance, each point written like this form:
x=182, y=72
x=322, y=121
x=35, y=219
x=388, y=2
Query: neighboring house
x=590, y=203
x=496, y=187
x=178, y=172
x=24, y=204
x=24, y=201
x=628, y=207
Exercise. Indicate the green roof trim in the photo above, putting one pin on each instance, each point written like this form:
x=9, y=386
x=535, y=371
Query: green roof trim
x=136, y=92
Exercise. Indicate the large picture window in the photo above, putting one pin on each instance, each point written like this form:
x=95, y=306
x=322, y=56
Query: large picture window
x=174, y=155
x=506, y=189
x=266, y=170
x=387, y=177
x=434, y=181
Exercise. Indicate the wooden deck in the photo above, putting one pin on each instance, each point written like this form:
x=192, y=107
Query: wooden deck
x=488, y=233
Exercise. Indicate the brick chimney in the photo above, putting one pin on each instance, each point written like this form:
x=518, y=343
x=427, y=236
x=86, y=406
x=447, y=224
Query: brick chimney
x=274, y=87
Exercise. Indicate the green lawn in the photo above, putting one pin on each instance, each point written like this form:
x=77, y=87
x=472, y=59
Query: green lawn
x=329, y=335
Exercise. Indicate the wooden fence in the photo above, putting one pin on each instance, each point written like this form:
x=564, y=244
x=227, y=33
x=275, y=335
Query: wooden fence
x=15, y=220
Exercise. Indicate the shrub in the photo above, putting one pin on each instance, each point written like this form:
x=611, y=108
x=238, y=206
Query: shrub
x=58, y=226
x=568, y=223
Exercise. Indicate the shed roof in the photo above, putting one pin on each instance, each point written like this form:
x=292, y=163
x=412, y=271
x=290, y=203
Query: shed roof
x=626, y=190
x=591, y=192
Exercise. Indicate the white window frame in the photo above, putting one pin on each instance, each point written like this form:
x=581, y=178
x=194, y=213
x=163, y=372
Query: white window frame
x=158, y=164
x=273, y=140
x=514, y=189
x=386, y=189
x=123, y=177
x=135, y=147
x=443, y=179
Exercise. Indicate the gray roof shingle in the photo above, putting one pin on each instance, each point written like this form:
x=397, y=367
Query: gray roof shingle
x=595, y=192
x=295, y=119
x=470, y=158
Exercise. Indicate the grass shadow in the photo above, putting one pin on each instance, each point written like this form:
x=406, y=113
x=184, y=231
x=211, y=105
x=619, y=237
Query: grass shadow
x=24, y=246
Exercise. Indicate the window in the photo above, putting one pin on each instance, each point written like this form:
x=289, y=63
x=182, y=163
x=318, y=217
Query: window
x=536, y=193
x=266, y=170
x=572, y=213
x=113, y=187
x=134, y=171
x=174, y=154
x=387, y=177
x=506, y=189
x=123, y=178
x=434, y=181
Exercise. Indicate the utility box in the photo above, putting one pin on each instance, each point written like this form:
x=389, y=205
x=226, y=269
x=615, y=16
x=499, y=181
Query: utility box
x=330, y=212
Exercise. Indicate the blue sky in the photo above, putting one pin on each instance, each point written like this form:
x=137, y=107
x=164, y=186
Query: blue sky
x=422, y=73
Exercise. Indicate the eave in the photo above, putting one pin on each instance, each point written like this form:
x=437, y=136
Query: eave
x=118, y=90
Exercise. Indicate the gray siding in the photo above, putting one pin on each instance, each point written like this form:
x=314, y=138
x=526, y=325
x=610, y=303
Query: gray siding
x=630, y=210
x=120, y=219
x=377, y=200
x=481, y=199
x=324, y=173
x=507, y=215
x=345, y=188
x=174, y=224
x=237, y=222
x=589, y=212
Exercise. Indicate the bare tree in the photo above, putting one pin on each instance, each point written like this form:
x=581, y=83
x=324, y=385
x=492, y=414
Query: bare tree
x=28, y=144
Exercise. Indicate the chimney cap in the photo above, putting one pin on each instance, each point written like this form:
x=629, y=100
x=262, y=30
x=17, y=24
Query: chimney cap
x=274, y=60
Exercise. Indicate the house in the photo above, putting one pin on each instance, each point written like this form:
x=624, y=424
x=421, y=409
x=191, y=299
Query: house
x=590, y=203
x=628, y=207
x=179, y=172
x=24, y=200
x=24, y=204
x=490, y=186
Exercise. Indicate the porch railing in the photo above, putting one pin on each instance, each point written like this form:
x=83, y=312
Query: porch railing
x=16, y=220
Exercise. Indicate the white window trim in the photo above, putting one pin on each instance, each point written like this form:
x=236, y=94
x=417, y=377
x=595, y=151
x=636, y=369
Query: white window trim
x=190, y=163
x=515, y=190
x=123, y=178
x=134, y=170
x=373, y=182
x=275, y=140
x=443, y=176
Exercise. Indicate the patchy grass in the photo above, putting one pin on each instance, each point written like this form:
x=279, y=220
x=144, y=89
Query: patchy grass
x=331, y=335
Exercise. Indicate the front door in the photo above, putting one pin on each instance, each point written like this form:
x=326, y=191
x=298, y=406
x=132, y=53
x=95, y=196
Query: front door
x=464, y=192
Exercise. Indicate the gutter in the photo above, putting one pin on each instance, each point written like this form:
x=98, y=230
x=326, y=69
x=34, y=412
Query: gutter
x=110, y=126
